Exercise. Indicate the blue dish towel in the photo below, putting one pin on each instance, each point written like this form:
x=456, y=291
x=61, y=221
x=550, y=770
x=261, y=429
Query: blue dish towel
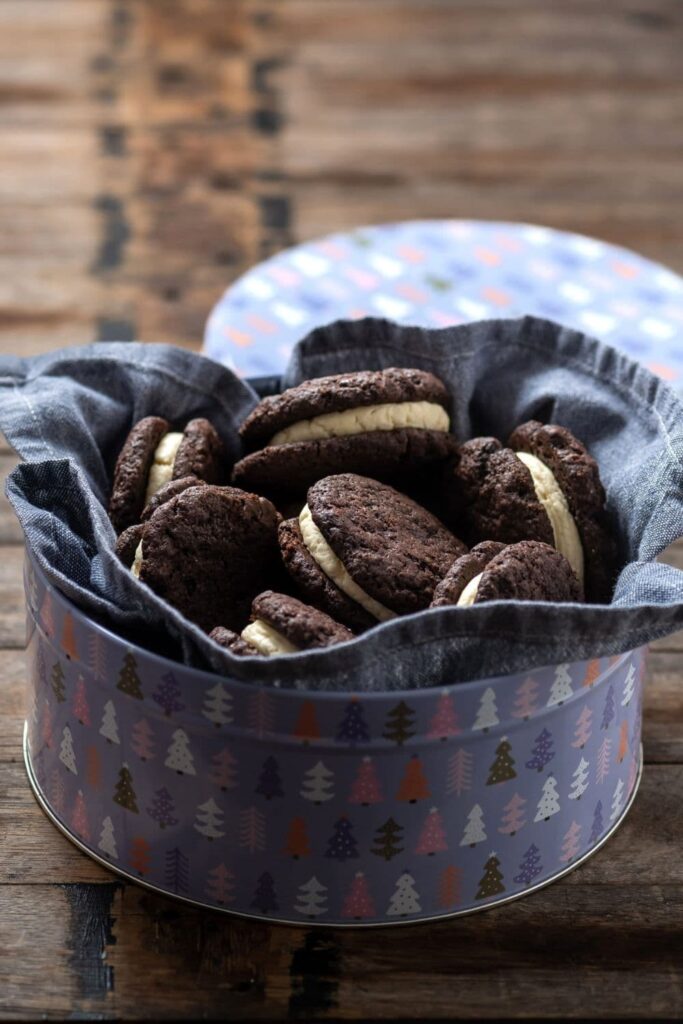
x=67, y=415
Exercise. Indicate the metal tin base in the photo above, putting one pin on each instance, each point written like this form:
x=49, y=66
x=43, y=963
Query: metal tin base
x=45, y=806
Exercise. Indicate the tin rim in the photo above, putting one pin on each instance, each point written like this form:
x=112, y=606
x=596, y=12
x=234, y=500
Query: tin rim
x=44, y=805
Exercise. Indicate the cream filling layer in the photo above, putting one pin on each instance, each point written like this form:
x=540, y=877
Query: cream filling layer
x=321, y=552
x=161, y=470
x=549, y=493
x=469, y=594
x=390, y=416
x=267, y=640
x=137, y=561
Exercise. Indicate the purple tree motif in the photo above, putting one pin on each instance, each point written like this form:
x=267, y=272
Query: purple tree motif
x=543, y=752
x=608, y=711
x=167, y=693
x=265, y=898
x=352, y=728
x=530, y=866
x=161, y=809
x=270, y=784
x=342, y=845
x=598, y=825
x=177, y=871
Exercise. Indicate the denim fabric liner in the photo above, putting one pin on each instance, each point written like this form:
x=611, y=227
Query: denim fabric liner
x=67, y=415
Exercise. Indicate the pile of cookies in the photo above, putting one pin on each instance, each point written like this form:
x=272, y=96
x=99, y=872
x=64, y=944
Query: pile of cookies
x=354, y=504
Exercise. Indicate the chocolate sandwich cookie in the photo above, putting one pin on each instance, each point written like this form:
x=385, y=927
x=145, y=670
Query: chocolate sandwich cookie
x=208, y=551
x=527, y=571
x=232, y=641
x=379, y=547
x=152, y=455
x=512, y=494
x=375, y=422
x=281, y=624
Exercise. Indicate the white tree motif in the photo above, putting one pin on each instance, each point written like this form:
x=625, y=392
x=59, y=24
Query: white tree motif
x=109, y=729
x=475, y=831
x=629, y=685
x=107, y=841
x=179, y=756
x=209, y=819
x=487, y=715
x=580, y=777
x=252, y=833
x=459, y=772
x=318, y=784
x=405, y=899
x=549, y=803
x=311, y=900
x=66, y=751
x=218, y=706
x=561, y=690
x=617, y=801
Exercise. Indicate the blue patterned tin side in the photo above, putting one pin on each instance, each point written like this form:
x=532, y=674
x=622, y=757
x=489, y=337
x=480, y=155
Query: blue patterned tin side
x=331, y=808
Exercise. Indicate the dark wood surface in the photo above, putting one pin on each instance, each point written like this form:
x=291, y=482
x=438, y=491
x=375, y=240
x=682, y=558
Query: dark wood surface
x=150, y=151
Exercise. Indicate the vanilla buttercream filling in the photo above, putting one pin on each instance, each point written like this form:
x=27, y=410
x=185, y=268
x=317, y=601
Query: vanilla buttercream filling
x=161, y=470
x=549, y=493
x=469, y=594
x=321, y=552
x=137, y=561
x=390, y=416
x=267, y=640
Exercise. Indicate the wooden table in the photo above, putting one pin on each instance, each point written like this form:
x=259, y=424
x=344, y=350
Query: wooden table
x=149, y=152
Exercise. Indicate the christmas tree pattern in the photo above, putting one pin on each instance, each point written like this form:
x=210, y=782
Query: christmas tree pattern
x=265, y=898
x=487, y=715
x=358, y=903
x=109, y=728
x=129, y=681
x=632, y=774
x=433, y=836
x=513, y=816
x=580, y=780
x=57, y=792
x=459, y=778
x=177, y=871
x=318, y=784
x=66, y=751
x=179, y=756
x=69, y=638
x=218, y=706
x=399, y=726
x=224, y=769
x=220, y=885
x=598, y=826
x=414, y=784
x=475, y=831
x=366, y=789
x=592, y=672
x=530, y=867
x=491, y=882
x=306, y=728
x=261, y=713
x=167, y=695
x=97, y=656
x=405, y=899
x=270, y=783
x=570, y=844
x=79, y=820
x=617, y=801
x=629, y=686
x=209, y=820
x=502, y=769
x=549, y=803
x=42, y=667
x=93, y=767
x=543, y=752
x=582, y=733
x=124, y=794
x=603, y=763
x=387, y=840
x=57, y=680
x=142, y=740
x=107, y=843
x=342, y=844
x=252, y=831
x=561, y=689
x=297, y=844
x=80, y=704
x=46, y=728
x=608, y=711
x=139, y=855
x=311, y=900
x=623, y=741
x=449, y=888
x=47, y=615
x=444, y=724
x=525, y=699
x=352, y=729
